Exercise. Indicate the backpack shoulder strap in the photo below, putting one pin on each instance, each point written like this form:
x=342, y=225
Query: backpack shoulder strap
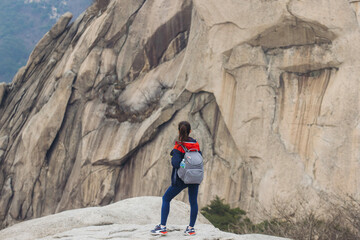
x=185, y=149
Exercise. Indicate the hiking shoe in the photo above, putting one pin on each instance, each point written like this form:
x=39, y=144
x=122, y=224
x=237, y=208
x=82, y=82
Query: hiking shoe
x=158, y=230
x=189, y=232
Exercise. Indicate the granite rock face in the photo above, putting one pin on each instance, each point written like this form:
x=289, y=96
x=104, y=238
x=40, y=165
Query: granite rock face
x=2, y=91
x=271, y=89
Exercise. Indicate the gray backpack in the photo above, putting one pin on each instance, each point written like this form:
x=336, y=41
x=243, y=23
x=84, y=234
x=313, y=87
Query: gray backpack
x=191, y=169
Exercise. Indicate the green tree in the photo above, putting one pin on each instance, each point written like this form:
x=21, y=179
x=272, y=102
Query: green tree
x=222, y=216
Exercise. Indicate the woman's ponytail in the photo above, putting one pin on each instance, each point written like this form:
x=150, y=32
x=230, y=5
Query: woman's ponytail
x=184, y=131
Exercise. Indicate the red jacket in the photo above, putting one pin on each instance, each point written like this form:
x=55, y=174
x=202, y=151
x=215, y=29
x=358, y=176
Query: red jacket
x=189, y=145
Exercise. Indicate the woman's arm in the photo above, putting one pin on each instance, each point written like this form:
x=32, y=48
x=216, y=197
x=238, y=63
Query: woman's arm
x=176, y=158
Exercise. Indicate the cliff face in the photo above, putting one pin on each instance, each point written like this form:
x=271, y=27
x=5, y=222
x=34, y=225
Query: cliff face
x=271, y=89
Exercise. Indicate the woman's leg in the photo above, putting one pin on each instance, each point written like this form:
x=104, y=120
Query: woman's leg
x=193, y=193
x=168, y=196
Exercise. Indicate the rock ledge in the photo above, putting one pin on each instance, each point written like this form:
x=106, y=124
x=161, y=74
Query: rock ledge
x=127, y=219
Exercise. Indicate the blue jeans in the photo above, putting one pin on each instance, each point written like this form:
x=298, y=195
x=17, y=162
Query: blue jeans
x=171, y=193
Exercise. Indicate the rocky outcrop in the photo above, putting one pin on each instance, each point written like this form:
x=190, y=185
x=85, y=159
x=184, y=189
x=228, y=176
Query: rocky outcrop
x=2, y=91
x=127, y=219
x=270, y=88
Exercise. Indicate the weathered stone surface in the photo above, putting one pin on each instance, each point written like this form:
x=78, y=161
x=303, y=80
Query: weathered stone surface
x=127, y=219
x=6, y=194
x=2, y=91
x=3, y=145
x=356, y=6
x=61, y=24
x=4, y=140
x=36, y=138
x=271, y=89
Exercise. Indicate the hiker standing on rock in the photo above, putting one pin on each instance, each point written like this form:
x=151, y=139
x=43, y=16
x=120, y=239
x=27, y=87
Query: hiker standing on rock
x=188, y=173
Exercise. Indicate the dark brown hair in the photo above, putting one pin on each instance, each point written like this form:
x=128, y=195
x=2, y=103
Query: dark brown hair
x=184, y=131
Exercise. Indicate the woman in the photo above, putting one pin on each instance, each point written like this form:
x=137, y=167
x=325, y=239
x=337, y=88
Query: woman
x=177, y=185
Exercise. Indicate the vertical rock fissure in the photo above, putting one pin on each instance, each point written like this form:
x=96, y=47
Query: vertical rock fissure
x=124, y=31
x=301, y=110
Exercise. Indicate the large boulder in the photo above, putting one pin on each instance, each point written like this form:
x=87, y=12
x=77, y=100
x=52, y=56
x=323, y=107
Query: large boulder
x=126, y=219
